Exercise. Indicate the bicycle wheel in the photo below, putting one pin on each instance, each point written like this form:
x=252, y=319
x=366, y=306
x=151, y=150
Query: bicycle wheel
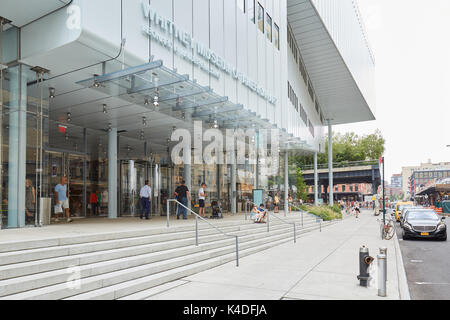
x=390, y=230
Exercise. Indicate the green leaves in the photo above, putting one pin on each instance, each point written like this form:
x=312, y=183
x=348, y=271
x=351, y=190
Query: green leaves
x=348, y=147
x=301, y=186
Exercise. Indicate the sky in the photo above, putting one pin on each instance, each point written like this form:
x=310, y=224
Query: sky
x=411, y=43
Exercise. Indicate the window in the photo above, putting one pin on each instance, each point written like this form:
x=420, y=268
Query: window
x=241, y=5
x=276, y=36
x=251, y=10
x=269, y=27
x=260, y=17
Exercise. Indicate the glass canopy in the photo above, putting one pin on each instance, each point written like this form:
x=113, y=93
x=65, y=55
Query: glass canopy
x=159, y=89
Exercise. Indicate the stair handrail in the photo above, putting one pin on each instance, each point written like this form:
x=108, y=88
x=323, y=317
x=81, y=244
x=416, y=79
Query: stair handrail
x=268, y=219
x=197, y=217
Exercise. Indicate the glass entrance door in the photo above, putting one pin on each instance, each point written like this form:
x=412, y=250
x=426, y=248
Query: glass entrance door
x=132, y=177
x=71, y=166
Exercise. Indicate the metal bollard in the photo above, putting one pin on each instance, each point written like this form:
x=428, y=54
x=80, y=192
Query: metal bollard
x=365, y=260
x=382, y=263
x=383, y=250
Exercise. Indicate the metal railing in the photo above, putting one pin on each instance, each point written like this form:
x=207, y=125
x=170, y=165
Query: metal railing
x=268, y=220
x=197, y=217
x=343, y=164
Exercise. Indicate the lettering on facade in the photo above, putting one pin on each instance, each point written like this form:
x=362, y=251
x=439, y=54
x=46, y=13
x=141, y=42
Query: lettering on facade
x=195, y=52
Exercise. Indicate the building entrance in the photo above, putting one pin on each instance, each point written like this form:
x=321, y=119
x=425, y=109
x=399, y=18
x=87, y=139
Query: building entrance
x=132, y=178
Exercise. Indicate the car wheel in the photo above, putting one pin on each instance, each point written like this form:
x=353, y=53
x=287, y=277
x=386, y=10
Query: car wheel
x=404, y=237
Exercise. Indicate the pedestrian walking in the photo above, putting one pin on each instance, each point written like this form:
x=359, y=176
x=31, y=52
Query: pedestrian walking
x=93, y=200
x=201, y=199
x=182, y=194
x=145, y=195
x=62, y=200
x=276, y=201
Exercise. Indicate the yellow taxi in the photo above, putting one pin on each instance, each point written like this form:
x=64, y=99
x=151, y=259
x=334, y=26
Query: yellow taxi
x=400, y=206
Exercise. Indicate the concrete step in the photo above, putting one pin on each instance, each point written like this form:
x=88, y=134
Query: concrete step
x=29, y=282
x=90, y=281
x=122, y=291
x=8, y=258
x=136, y=249
x=59, y=273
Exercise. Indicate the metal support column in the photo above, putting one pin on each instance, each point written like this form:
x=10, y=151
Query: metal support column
x=112, y=174
x=330, y=163
x=233, y=182
x=286, y=182
x=316, y=181
x=85, y=172
x=17, y=147
x=187, y=178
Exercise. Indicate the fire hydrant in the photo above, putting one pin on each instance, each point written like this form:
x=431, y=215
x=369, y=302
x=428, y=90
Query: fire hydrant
x=365, y=260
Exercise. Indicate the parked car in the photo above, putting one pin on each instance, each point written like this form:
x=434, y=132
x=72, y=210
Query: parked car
x=423, y=224
x=399, y=207
x=405, y=211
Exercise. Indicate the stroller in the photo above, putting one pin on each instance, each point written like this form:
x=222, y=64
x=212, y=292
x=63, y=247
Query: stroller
x=216, y=210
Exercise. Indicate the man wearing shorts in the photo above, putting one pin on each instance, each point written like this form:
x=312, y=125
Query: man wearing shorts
x=62, y=200
x=201, y=199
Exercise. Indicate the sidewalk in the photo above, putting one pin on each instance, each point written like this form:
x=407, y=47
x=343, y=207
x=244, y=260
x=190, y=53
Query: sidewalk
x=321, y=265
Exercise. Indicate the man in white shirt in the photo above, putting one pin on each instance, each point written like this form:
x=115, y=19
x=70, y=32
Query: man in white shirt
x=145, y=195
x=201, y=200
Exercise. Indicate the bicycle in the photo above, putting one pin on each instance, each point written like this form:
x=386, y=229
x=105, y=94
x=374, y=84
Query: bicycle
x=388, y=229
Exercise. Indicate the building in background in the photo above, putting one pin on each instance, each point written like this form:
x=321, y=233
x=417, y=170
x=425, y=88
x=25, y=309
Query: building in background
x=396, y=181
x=422, y=179
x=407, y=173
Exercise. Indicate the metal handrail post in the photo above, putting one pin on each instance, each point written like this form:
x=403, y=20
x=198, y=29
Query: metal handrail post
x=295, y=234
x=287, y=222
x=246, y=208
x=268, y=221
x=168, y=213
x=196, y=231
x=237, y=251
x=302, y=220
x=320, y=223
x=197, y=217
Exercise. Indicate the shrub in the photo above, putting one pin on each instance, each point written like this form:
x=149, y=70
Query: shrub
x=326, y=213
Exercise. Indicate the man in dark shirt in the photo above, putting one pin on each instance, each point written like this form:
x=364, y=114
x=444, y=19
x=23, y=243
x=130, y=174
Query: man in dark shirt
x=182, y=194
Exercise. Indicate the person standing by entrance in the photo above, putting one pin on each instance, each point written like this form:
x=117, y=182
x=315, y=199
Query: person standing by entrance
x=30, y=200
x=62, y=199
x=182, y=194
x=145, y=194
x=93, y=199
x=201, y=199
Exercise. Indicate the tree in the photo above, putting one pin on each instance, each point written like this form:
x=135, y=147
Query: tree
x=347, y=147
x=301, y=186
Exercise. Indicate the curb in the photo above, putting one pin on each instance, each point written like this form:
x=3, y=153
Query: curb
x=401, y=273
